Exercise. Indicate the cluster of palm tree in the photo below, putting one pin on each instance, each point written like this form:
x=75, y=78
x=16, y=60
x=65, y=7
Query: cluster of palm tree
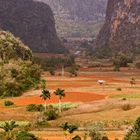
x=46, y=94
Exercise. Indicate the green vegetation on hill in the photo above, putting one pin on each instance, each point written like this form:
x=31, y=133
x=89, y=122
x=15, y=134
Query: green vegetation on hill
x=13, y=48
x=17, y=72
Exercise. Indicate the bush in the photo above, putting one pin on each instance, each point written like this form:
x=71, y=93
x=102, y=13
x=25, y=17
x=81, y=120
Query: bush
x=134, y=133
x=105, y=138
x=95, y=135
x=119, y=89
x=73, y=70
x=52, y=71
x=33, y=107
x=8, y=103
x=24, y=135
x=126, y=107
x=116, y=68
x=76, y=138
x=124, y=99
x=121, y=60
x=51, y=115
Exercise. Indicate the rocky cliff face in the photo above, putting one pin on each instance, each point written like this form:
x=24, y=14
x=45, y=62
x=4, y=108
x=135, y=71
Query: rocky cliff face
x=78, y=18
x=33, y=22
x=121, y=30
x=78, y=9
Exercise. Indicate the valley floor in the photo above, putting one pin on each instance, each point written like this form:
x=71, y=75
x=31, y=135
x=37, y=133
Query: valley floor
x=95, y=103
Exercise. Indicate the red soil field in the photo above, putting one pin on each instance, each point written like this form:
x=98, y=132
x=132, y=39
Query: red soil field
x=70, y=97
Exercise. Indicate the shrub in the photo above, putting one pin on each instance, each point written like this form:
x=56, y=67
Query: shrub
x=73, y=71
x=121, y=60
x=119, y=89
x=52, y=71
x=24, y=135
x=5, y=135
x=33, y=107
x=51, y=115
x=116, y=68
x=95, y=135
x=105, y=138
x=8, y=103
x=126, y=107
x=76, y=138
x=124, y=99
x=134, y=133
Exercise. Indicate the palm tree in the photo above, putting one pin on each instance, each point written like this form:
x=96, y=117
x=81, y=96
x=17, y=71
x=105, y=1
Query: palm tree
x=64, y=126
x=45, y=95
x=8, y=127
x=72, y=128
x=60, y=93
x=68, y=128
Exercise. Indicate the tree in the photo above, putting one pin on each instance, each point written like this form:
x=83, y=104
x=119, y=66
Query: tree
x=8, y=127
x=45, y=95
x=64, y=126
x=60, y=93
x=122, y=60
x=73, y=71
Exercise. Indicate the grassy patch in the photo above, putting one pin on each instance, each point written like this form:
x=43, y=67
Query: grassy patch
x=127, y=96
x=65, y=106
